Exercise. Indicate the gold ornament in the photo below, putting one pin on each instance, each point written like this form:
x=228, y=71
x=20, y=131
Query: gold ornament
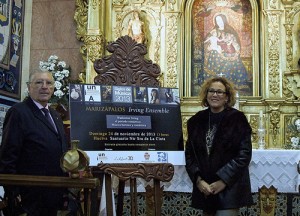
x=75, y=160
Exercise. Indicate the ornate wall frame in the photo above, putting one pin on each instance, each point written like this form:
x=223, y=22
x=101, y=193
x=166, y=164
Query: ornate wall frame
x=11, y=66
x=198, y=14
x=5, y=34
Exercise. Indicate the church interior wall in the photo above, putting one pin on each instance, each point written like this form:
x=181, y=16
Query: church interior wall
x=53, y=32
x=78, y=31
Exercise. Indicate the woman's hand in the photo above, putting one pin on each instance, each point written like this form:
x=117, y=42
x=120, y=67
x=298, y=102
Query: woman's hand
x=217, y=187
x=203, y=186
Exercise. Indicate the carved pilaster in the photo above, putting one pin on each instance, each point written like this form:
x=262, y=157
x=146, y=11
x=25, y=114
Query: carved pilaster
x=90, y=33
x=94, y=47
x=253, y=121
x=292, y=79
x=274, y=123
x=289, y=15
x=273, y=55
x=172, y=50
x=81, y=19
x=289, y=46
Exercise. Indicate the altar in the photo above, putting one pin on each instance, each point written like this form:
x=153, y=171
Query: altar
x=267, y=167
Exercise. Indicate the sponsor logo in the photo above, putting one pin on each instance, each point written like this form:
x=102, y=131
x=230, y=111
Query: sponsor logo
x=101, y=157
x=147, y=156
x=162, y=157
x=124, y=158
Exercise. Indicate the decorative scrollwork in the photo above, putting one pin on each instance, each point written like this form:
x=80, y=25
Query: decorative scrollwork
x=148, y=171
x=126, y=65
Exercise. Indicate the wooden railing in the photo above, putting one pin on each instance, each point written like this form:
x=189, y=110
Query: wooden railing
x=89, y=185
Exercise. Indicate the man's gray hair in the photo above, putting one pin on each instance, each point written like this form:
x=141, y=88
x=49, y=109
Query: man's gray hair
x=31, y=75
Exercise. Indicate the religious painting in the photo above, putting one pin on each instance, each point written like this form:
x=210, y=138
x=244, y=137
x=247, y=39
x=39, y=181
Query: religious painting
x=5, y=20
x=222, y=43
x=11, y=37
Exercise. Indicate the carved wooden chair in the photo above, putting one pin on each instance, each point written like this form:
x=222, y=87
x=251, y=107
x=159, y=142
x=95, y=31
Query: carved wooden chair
x=127, y=66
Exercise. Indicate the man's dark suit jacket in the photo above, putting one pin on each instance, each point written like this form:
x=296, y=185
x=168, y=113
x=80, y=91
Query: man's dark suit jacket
x=31, y=146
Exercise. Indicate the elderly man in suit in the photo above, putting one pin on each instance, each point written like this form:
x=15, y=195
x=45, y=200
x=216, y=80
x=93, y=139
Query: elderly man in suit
x=33, y=145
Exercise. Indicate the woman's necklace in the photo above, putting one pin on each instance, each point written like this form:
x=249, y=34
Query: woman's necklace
x=214, y=119
x=210, y=134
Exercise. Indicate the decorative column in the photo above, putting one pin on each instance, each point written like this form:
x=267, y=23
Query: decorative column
x=90, y=16
x=94, y=39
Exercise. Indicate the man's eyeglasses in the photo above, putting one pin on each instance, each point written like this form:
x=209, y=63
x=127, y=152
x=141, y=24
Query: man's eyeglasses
x=218, y=92
x=40, y=83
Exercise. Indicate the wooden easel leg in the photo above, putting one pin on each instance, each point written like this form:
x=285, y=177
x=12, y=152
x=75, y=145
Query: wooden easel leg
x=120, y=198
x=157, y=197
x=94, y=201
x=108, y=191
x=133, y=196
x=87, y=200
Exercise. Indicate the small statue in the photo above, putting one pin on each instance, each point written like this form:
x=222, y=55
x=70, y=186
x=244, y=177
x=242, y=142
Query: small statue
x=136, y=28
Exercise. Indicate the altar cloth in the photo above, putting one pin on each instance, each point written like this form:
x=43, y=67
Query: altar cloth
x=267, y=167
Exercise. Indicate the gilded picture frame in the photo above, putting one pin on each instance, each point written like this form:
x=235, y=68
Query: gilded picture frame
x=223, y=41
x=5, y=33
x=11, y=68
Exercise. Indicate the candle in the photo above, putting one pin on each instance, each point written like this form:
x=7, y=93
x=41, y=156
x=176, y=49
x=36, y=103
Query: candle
x=260, y=114
x=261, y=119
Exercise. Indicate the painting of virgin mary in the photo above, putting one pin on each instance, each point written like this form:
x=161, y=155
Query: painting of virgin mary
x=221, y=52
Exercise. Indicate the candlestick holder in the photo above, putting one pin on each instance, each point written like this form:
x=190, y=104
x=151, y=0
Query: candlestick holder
x=261, y=132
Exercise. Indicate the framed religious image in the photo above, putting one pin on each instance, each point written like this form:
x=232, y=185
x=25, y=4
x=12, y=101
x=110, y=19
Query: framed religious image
x=5, y=26
x=11, y=38
x=223, y=42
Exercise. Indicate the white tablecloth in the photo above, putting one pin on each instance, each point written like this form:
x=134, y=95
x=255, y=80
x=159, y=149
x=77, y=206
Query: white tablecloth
x=277, y=168
x=267, y=167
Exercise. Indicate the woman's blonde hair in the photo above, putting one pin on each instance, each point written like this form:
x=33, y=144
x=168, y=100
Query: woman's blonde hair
x=229, y=89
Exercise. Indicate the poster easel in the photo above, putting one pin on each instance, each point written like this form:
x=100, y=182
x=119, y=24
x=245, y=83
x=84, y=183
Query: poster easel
x=127, y=67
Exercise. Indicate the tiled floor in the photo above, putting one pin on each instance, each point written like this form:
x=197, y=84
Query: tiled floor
x=178, y=204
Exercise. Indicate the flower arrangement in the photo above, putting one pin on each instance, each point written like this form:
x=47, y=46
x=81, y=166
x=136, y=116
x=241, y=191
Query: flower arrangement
x=295, y=140
x=60, y=71
x=295, y=143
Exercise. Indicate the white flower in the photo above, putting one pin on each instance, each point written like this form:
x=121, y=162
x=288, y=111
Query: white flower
x=57, y=85
x=43, y=66
x=66, y=73
x=52, y=67
x=52, y=58
x=62, y=63
x=59, y=76
x=60, y=72
x=295, y=142
x=59, y=93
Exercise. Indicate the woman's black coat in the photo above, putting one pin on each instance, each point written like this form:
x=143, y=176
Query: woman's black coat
x=229, y=159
